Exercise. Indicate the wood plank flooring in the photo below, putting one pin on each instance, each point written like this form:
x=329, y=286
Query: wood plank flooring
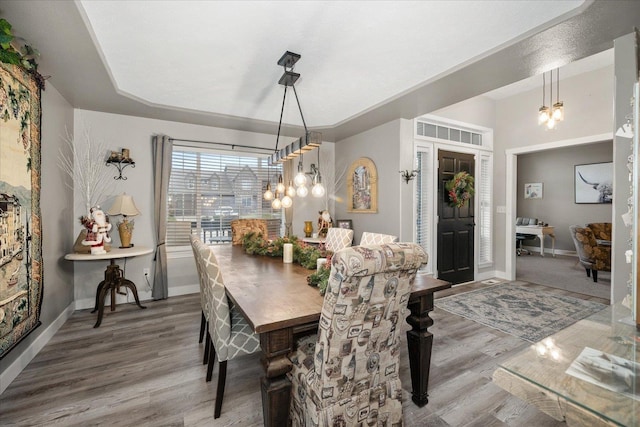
x=144, y=368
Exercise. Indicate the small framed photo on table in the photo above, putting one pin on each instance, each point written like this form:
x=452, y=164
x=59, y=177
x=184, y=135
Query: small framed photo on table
x=344, y=223
x=533, y=190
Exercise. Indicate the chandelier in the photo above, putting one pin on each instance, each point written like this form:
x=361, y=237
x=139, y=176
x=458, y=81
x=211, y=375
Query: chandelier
x=546, y=115
x=283, y=195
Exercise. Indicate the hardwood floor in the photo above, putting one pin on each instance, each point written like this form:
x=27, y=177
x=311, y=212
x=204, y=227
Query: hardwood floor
x=144, y=368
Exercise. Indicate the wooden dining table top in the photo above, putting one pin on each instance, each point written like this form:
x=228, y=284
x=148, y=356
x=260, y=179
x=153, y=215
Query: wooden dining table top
x=273, y=295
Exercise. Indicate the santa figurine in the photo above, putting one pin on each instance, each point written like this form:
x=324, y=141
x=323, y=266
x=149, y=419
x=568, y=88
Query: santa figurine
x=98, y=227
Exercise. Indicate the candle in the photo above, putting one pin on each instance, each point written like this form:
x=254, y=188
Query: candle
x=320, y=262
x=287, y=253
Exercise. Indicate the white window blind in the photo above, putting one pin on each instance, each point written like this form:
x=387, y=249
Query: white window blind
x=424, y=203
x=484, y=191
x=209, y=189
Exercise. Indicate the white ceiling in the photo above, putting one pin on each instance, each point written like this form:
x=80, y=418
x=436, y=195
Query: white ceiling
x=221, y=57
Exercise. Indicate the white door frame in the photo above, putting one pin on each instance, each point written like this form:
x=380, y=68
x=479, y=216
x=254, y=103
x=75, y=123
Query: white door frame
x=512, y=188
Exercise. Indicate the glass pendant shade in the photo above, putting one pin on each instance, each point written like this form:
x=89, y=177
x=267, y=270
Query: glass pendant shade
x=551, y=123
x=291, y=190
x=276, y=204
x=280, y=186
x=300, y=179
x=543, y=115
x=317, y=190
x=558, y=111
x=287, y=202
x=268, y=194
x=302, y=191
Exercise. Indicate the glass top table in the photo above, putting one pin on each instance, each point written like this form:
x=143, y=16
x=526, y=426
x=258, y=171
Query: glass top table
x=586, y=374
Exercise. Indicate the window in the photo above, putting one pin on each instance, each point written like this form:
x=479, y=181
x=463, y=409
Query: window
x=485, y=203
x=209, y=189
x=448, y=133
x=424, y=202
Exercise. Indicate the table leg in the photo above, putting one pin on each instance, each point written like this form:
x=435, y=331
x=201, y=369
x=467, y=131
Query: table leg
x=553, y=245
x=275, y=386
x=542, y=245
x=420, y=342
x=113, y=279
x=100, y=286
x=129, y=284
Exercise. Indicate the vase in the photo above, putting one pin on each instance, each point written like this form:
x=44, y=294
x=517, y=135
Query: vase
x=308, y=228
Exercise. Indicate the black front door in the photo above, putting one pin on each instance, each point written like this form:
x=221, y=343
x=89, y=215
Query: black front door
x=455, y=225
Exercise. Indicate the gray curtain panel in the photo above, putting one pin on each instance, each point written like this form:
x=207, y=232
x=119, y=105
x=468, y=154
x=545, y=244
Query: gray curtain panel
x=162, y=148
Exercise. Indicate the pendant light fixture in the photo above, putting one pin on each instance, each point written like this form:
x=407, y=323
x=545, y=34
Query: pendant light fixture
x=283, y=196
x=551, y=116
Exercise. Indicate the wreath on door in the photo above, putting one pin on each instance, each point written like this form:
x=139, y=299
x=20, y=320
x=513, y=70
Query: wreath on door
x=460, y=189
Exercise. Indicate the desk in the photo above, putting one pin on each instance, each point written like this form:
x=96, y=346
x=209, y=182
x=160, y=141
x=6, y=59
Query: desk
x=279, y=305
x=540, y=231
x=543, y=381
x=113, y=276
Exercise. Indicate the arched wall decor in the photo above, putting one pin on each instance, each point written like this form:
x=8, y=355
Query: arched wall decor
x=362, y=186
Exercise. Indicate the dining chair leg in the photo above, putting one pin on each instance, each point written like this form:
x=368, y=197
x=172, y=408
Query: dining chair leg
x=212, y=362
x=222, y=378
x=207, y=345
x=594, y=273
x=588, y=272
x=203, y=325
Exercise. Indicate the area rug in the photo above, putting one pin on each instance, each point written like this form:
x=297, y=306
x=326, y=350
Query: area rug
x=514, y=308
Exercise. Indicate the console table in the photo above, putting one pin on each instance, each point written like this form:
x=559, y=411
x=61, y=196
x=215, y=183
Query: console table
x=113, y=276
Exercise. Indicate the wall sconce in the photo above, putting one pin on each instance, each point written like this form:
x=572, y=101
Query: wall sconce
x=408, y=175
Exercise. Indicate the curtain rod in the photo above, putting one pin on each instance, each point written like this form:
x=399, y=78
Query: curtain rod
x=233, y=146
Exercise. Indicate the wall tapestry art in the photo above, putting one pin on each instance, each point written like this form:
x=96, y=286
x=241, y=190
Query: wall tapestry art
x=362, y=186
x=20, y=228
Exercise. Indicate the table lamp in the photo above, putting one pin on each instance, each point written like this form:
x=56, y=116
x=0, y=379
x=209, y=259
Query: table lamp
x=125, y=206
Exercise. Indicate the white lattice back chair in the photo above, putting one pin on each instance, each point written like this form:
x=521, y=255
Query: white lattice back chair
x=369, y=239
x=348, y=374
x=338, y=238
x=230, y=334
x=204, y=317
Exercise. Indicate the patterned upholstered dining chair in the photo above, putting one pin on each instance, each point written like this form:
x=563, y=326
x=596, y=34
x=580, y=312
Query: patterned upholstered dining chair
x=593, y=257
x=348, y=374
x=204, y=300
x=338, y=238
x=368, y=239
x=230, y=334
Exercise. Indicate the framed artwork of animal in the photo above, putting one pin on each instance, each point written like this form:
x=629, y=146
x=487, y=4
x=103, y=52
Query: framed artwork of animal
x=594, y=183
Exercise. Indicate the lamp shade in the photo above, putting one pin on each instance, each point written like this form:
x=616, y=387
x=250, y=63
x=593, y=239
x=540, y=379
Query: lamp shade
x=124, y=205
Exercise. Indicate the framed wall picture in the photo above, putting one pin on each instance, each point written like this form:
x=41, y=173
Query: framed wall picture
x=20, y=225
x=344, y=223
x=594, y=183
x=533, y=190
x=362, y=186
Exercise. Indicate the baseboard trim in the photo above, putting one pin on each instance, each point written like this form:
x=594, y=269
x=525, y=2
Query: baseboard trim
x=547, y=251
x=11, y=373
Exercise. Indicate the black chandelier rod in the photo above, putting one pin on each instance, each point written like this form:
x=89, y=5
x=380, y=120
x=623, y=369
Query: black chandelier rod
x=281, y=113
x=300, y=109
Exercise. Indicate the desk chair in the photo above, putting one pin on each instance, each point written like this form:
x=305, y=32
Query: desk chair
x=349, y=372
x=521, y=237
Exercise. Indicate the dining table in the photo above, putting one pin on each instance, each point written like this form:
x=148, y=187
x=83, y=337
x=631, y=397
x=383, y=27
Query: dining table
x=281, y=307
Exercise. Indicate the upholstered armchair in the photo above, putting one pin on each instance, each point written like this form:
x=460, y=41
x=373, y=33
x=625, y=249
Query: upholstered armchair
x=348, y=374
x=592, y=256
x=601, y=230
x=229, y=334
x=338, y=238
x=368, y=239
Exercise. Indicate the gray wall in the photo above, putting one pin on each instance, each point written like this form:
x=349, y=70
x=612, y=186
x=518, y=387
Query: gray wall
x=555, y=170
x=57, y=219
x=135, y=133
x=382, y=145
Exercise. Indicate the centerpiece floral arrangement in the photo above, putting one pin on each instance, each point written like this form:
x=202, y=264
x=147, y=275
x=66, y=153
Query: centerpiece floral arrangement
x=460, y=189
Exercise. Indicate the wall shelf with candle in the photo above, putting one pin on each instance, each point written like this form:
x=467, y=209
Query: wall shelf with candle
x=120, y=160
